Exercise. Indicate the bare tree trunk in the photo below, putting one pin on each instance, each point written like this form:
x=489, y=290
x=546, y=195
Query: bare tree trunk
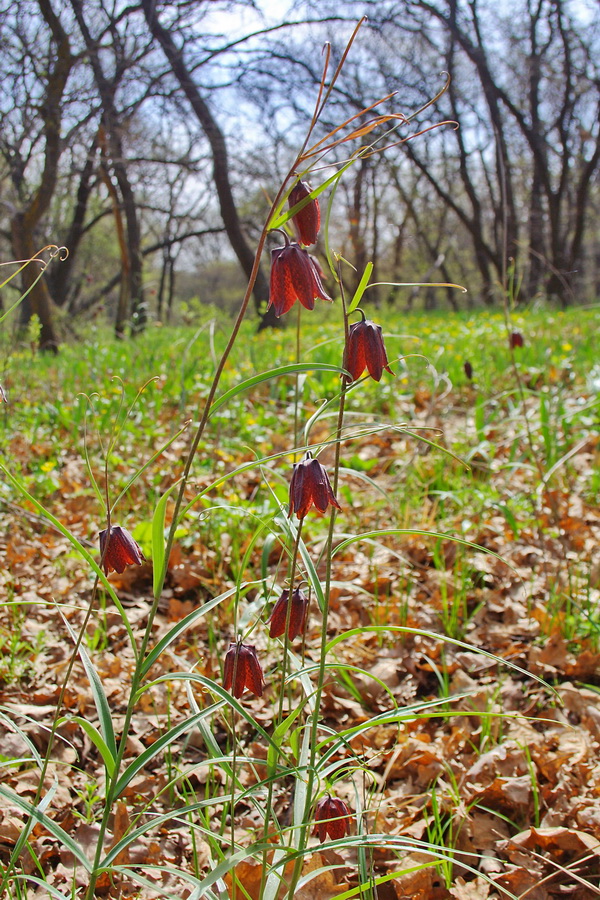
x=218, y=148
x=59, y=280
x=25, y=221
x=114, y=149
x=38, y=302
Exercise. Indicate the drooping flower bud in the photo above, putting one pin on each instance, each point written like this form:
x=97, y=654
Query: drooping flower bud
x=365, y=350
x=122, y=550
x=242, y=670
x=297, y=614
x=332, y=818
x=308, y=221
x=468, y=368
x=515, y=339
x=310, y=487
x=294, y=277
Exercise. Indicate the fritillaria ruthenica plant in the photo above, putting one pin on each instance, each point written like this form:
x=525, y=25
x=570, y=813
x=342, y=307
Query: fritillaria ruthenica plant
x=119, y=551
x=292, y=611
x=310, y=486
x=332, y=818
x=307, y=221
x=295, y=276
x=242, y=670
x=365, y=350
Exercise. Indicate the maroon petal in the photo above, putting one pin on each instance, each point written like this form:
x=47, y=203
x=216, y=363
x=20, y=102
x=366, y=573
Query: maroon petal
x=122, y=550
x=253, y=676
x=308, y=221
x=282, y=294
x=320, y=488
x=300, y=496
x=374, y=351
x=354, y=358
x=303, y=276
x=310, y=486
x=229, y=667
x=298, y=614
x=318, y=289
x=278, y=616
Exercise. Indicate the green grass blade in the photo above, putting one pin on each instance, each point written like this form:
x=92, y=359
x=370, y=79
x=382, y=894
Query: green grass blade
x=100, y=700
x=362, y=286
x=52, y=891
x=291, y=369
x=96, y=739
x=180, y=627
x=49, y=824
x=158, y=541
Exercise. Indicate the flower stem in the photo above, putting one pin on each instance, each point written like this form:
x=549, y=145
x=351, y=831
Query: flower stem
x=311, y=776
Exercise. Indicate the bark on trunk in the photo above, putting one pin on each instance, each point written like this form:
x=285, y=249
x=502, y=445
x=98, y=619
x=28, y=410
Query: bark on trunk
x=114, y=150
x=218, y=148
x=25, y=221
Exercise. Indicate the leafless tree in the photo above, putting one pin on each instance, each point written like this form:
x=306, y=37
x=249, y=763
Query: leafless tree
x=31, y=141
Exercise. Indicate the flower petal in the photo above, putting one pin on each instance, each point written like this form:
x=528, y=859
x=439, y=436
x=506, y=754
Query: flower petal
x=308, y=221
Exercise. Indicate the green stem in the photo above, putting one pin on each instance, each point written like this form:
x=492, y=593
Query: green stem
x=279, y=719
x=311, y=775
x=297, y=385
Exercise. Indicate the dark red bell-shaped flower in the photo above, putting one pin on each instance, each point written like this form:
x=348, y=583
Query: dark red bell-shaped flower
x=332, y=818
x=294, y=276
x=308, y=221
x=515, y=339
x=242, y=670
x=297, y=614
x=310, y=487
x=122, y=550
x=365, y=350
x=468, y=370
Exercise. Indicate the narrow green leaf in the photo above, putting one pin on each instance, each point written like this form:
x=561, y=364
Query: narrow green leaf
x=24, y=736
x=24, y=294
x=301, y=785
x=100, y=701
x=402, y=629
x=175, y=732
x=291, y=369
x=96, y=739
x=278, y=736
x=36, y=813
x=158, y=540
x=280, y=218
x=154, y=749
x=362, y=286
x=414, y=531
x=274, y=879
x=180, y=627
x=54, y=892
x=149, y=462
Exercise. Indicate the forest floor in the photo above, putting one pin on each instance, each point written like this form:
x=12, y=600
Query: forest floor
x=467, y=671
